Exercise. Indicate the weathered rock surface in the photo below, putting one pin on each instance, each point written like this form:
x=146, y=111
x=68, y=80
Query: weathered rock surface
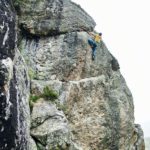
x=38, y=116
x=98, y=104
x=139, y=138
x=33, y=145
x=99, y=111
x=65, y=57
x=14, y=114
x=14, y=86
x=52, y=17
x=94, y=110
x=49, y=126
x=7, y=29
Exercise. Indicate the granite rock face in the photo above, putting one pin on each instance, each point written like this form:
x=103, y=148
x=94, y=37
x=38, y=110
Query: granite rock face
x=49, y=126
x=14, y=85
x=98, y=104
x=65, y=57
x=139, y=138
x=7, y=29
x=94, y=109
x=51, y=17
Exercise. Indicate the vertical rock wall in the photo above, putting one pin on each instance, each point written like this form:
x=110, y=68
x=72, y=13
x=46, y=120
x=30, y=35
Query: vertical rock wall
x=94, y=109
x=14, y=85
x=92, y=94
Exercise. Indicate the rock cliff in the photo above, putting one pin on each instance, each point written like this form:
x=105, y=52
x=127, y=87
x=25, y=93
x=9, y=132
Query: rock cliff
x=14, y=85
x=75, y=103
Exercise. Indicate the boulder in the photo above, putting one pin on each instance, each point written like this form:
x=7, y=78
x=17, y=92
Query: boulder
x=50, y=126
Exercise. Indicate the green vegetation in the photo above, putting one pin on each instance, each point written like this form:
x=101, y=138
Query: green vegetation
x=49, y=94
x=31, y=104
x=34, y=98
x=31, y=73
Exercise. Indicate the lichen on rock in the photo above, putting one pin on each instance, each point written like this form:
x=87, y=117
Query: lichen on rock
x=93, y=109
x=97, y=104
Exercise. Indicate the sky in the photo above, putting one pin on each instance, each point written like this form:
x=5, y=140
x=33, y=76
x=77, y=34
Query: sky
x=125, y=25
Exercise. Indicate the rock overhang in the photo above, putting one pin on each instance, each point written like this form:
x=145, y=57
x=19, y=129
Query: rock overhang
x=49, y=17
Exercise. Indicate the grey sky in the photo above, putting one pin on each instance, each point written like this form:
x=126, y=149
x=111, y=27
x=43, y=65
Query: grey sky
x=125, y=25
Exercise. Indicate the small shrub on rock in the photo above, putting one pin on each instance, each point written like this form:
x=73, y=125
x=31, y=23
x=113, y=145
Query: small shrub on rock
x=49, y=94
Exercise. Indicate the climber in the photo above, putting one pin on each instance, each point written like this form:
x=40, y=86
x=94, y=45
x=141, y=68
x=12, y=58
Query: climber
x=93, y=41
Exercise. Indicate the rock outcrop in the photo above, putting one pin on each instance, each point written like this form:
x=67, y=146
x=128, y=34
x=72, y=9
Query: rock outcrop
x=49, y=126
x=93, y=108
x=14, y=85
x=139, y=138
x=50, y=17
